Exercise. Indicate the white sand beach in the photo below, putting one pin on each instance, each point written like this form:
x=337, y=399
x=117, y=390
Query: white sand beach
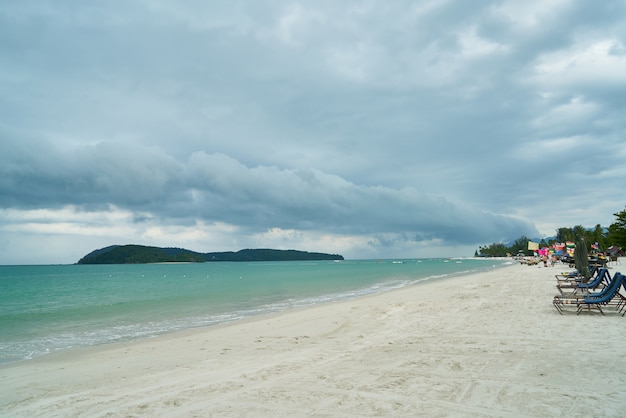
x=484, y=345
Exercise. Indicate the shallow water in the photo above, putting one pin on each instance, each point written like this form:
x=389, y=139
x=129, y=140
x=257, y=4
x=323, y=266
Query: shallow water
x=45, y=309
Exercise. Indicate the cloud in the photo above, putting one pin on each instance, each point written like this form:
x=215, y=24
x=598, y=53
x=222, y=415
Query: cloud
x=601, y=62
x=218, y=188
x=369, y=127
x=529, y=15
x=472, y=45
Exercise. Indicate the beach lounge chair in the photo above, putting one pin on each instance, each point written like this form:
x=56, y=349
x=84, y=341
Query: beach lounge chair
x=575, y=275
x=585, y=290
x=594, y=300
x=621, y=303
x=607, y=298
x=601, y=279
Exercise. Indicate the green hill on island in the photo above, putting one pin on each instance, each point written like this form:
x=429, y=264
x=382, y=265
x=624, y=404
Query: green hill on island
x=140, y=254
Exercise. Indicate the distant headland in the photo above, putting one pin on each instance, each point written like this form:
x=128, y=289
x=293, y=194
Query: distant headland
x=140, y=254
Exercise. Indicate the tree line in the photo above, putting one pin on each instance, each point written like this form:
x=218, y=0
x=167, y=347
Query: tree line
x=614, y=235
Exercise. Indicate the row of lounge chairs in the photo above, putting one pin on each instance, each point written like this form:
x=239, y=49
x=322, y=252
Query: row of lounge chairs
x=530, y=261
x=601, y=290
x=573, y=282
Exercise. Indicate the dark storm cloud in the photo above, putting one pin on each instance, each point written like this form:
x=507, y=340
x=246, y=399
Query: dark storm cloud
x=216, y=187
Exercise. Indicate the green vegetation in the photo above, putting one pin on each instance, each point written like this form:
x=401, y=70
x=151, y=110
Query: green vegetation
x=614, y=235
x=501, y=250
x=139, y=254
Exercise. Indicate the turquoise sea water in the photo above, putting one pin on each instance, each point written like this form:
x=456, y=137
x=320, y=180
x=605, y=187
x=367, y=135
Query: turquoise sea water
x=45, y=309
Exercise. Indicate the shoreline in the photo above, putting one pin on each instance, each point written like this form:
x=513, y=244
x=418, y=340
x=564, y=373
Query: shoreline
x=483, y=344
x=108, y=333
x=254, y=317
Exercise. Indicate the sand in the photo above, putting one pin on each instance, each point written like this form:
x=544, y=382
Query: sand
x=489, y=344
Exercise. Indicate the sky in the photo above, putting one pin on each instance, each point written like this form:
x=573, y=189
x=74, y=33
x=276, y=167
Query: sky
x=371, y=129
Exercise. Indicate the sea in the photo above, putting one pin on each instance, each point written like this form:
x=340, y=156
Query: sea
x=51, y=308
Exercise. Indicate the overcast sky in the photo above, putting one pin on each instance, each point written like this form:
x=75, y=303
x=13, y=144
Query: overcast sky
x=366, y=128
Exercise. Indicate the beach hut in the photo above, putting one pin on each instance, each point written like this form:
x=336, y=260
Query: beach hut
x=614, y=250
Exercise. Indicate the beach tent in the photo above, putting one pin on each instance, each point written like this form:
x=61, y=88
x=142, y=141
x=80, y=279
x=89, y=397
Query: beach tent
x=614, y=250
x=558, y=248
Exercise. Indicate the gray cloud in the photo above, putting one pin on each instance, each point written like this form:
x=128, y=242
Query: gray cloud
x=216, y=187
x=438, y=122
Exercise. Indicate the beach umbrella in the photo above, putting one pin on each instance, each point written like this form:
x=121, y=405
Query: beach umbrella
x=581, y=260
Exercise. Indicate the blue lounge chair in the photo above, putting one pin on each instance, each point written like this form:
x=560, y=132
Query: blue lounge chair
x=621, y=303
x=595, y=300
x=605, y=297
x=575, y=275
x=602, y=278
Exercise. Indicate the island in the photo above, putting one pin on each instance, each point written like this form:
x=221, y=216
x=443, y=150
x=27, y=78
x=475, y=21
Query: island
x=141, y=254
